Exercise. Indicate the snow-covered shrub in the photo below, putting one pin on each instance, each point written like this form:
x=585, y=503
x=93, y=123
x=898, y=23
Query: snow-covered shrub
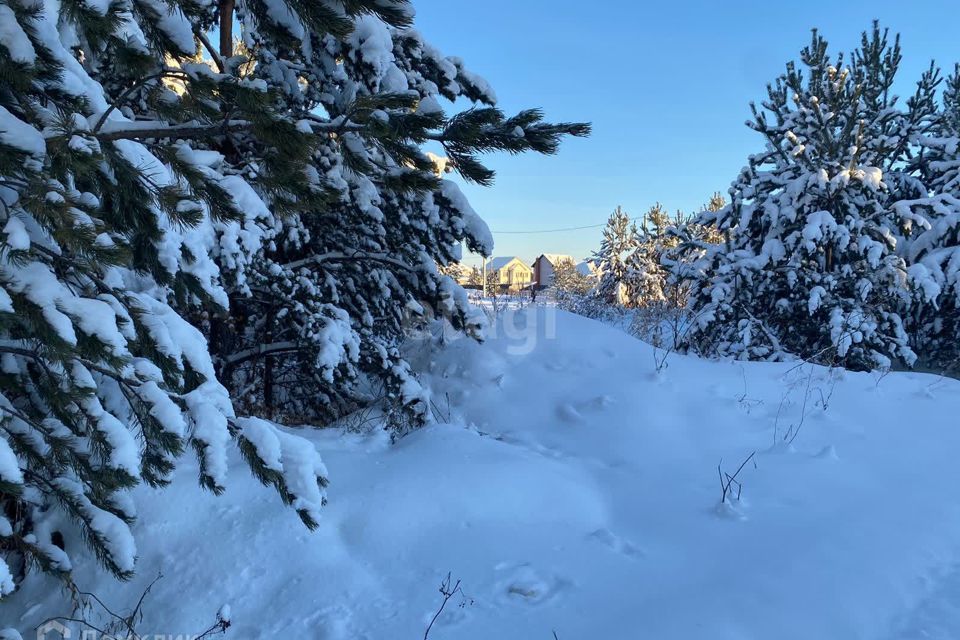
x=579, y=293
x=588, y=305
x=567, y=278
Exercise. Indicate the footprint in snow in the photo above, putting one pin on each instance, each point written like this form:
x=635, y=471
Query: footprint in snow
x=574, y=412
x=330, y=623
x=827, y=453
x=716, y=390
x=547, y=452
x=599, y=403
x=528, y=586
x=569, y=413
x=616, y=543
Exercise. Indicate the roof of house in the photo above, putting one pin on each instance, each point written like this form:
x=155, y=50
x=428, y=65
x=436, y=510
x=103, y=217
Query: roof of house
x=499, y=262
x=556, y=258
x=587, y=267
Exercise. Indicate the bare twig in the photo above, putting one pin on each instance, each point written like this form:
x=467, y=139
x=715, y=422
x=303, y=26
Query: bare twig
x=447, y=591
x=727, y=481
x=437, y=414
x=125, y=624
x=220, y=626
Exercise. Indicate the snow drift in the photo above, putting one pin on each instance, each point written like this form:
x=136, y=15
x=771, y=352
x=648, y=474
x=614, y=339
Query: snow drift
x=576, y=490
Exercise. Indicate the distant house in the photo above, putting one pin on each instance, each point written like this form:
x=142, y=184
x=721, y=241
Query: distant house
x=545, y=265
x=510, y=272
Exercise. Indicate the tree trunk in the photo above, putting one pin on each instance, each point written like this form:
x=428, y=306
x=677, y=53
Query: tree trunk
x=268, y=371
x=226, y=28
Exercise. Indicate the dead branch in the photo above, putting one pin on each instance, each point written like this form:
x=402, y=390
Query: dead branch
x=447, y=591
x=727, y=481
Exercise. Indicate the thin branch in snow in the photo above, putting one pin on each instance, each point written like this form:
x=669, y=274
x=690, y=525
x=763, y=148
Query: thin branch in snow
x=728, y=481
x=447, y=591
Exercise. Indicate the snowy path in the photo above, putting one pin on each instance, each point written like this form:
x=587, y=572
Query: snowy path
x=582, y=498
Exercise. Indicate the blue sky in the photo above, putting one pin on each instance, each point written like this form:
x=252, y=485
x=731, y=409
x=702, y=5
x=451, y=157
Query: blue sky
x=665, y=84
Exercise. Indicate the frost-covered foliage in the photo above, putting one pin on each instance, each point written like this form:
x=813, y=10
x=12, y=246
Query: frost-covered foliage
x=822, y=248
x=173, y=212
x=575, y=291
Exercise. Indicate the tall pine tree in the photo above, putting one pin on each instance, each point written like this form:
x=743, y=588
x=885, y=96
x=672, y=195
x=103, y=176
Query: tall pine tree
x=645, y=277
x=811, y=264
x=174, y=210
x=617, y=244
x=340, y=281
x=934, y=254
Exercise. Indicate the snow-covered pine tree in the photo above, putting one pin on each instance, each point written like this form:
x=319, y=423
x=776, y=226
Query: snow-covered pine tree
x=696, y=239
x=810, y=263
x=645, y=278
x=340, y=281
x=106, y=245
x=707, y=233
x=111, y=211
x=476, y=278
x=937, y=161
x=934, y=251
x=716, y=202
x=617, y=243
x=153, y=184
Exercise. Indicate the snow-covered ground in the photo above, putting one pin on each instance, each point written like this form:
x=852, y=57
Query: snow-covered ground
x=576, y=491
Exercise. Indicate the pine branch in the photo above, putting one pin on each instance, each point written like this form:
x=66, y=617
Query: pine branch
x=262, y=351
x=211, y=51
x=158, y=129
x=337, y=256
x=126, y=94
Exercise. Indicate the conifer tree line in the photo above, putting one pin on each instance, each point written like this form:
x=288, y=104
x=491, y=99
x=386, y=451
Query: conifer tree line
x=204, y=236
x=839, y=242
x=630, y=269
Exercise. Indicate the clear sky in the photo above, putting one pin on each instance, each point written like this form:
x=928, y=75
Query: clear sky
x=666, y=85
